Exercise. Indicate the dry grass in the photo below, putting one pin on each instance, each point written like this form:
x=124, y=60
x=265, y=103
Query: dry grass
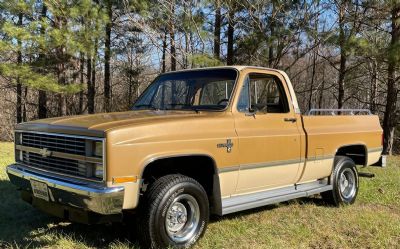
x=372, y=222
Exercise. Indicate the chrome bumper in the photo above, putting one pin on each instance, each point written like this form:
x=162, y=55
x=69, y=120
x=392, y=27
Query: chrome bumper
x=68, y=192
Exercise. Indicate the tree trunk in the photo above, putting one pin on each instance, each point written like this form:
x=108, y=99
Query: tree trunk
x=172, y=35
x=82, y=78
x=231, y=31
x=94, y=78
x=390, y=119
x=217, y=30
x=107, y=57
x=164, y=51
x=62, y=105
x=90, y=86
x=314, y=62
x=130, y=88
x=374, y=86
x=272, y=24
x=62, y=80
x=187, y=9
x=42, y=99
x=321, y=94
x=343, y=55
x=19, y=85
x=24, y=114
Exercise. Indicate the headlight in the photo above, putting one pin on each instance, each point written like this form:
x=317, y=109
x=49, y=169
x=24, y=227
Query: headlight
x=98, y=149
x=99, y=171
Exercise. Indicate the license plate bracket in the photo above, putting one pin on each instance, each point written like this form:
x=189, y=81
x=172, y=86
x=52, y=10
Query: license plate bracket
x=40, y=190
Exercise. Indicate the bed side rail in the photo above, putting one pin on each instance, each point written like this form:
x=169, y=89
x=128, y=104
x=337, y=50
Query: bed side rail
x=334, y=112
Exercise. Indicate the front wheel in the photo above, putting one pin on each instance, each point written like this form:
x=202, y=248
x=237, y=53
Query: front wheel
x=174, y=213
x=344, y=180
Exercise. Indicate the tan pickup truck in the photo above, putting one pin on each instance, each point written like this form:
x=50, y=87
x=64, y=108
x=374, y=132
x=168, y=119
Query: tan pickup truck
x=196, y=142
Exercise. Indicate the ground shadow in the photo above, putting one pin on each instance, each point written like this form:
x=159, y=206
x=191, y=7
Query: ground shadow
x=23, y=226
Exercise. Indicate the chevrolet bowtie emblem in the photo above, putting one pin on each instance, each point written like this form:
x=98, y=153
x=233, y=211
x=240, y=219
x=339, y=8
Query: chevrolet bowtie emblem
x=45, y=152
x=228, y=145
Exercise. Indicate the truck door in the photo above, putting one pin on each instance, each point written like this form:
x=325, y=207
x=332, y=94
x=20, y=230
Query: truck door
x=269, y=139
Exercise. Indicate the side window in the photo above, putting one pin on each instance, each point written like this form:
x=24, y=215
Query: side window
x=266, y=94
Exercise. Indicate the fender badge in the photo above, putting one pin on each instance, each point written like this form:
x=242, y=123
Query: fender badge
x=228, y=145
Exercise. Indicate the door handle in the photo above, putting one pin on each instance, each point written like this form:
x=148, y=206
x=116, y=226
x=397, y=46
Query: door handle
x=290, y=120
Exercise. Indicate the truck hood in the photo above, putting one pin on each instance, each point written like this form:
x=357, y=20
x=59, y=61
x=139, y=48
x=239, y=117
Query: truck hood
x=98, y=124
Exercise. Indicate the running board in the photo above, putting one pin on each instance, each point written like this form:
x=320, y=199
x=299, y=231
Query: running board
x=259, y=199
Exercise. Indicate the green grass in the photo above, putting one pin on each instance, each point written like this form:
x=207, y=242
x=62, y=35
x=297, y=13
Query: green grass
x=372, y=222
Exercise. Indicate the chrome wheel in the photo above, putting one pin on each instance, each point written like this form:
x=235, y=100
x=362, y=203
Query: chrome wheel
x=347, y=183
x=182, y=219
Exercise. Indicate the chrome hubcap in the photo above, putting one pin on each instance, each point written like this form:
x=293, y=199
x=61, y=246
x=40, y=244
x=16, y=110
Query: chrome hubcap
x=347, y=183
x=182, y=218
x=177, y=216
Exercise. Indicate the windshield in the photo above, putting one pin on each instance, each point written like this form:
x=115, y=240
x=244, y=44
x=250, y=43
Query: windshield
x=196, y=90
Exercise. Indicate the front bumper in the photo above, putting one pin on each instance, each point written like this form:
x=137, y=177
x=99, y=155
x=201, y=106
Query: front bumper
x=68, y=193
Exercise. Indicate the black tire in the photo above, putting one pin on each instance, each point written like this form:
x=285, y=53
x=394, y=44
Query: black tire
x=162, y=209
x=345, y=173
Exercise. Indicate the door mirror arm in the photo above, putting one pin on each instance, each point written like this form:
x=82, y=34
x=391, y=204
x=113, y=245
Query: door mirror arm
x=251, y=112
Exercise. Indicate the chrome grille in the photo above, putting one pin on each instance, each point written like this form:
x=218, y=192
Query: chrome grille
x=64, y=154
x=71, y=145
x=60, y=165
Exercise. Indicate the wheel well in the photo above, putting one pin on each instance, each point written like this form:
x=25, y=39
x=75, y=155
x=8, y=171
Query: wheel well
x=357, y=153
x=200, y=168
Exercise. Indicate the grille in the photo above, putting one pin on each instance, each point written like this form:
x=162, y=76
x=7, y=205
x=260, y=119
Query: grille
x=71, y=145
x=74, y=146
x=59, y=165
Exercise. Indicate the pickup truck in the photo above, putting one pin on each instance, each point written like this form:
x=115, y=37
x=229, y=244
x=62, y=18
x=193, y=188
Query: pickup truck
x=196, y=142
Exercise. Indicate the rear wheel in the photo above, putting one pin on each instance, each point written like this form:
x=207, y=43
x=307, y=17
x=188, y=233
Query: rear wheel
x=344, y=180
x=174, y=212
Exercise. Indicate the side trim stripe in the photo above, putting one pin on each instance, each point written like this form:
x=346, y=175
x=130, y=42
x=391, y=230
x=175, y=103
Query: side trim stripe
x=270, y=164
x=375, y=149
x=316, y=158
x=228, y=169
x=282, y=162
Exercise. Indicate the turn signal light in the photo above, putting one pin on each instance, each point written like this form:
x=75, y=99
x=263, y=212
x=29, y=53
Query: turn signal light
x=124, y=179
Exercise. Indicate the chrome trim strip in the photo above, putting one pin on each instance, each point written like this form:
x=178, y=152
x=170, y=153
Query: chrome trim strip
x=104, y=157
x=60, y=129
x=375, y=149
x=100, y=199
x=58, y=174
x=228, y=169
x=253, y=200
x=61, y=135
x=317, y=158
x=314, y=112
x=61, y=154
x=270, y=164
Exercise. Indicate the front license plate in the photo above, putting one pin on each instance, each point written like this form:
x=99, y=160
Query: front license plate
x=39, y=190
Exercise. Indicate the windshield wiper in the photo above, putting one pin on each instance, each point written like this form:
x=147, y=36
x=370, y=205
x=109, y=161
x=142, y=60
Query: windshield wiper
x=147, y=106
